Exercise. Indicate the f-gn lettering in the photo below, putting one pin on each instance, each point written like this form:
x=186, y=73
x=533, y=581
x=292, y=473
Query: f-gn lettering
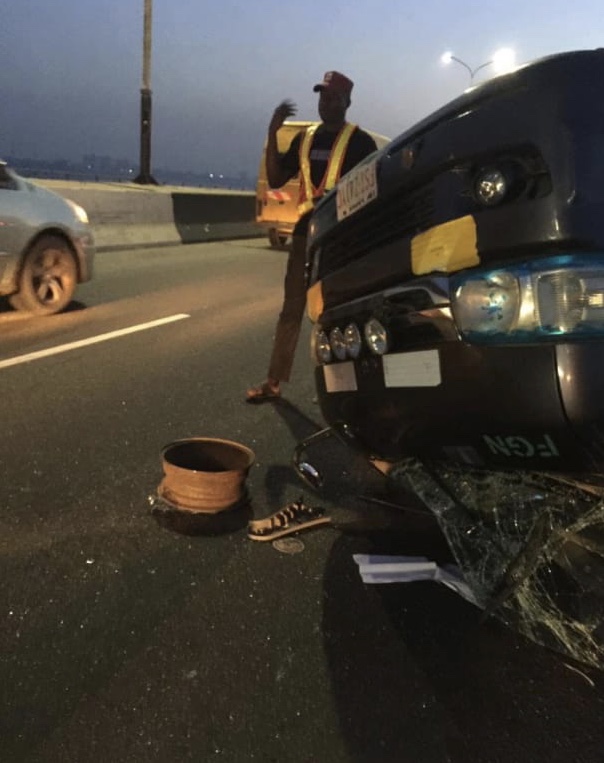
x=496, y=445
x=516, y=446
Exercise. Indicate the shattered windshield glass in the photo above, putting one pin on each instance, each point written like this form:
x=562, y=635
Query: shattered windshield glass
x=530, y=545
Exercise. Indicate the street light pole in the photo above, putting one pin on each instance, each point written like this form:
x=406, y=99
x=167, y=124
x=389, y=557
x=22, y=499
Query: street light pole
x=503, y=60
x=477, y=69
x=451, y=57
x=145, y=177
x=448, y=57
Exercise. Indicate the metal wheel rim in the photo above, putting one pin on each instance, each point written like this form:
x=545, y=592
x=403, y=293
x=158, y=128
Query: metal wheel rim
x=51, y=276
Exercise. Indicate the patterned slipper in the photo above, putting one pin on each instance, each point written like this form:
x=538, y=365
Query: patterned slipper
x=261, y=393
x=293, y=518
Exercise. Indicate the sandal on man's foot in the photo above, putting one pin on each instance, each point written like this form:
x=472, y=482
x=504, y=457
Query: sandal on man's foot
x=293, y=518
x=264, y=391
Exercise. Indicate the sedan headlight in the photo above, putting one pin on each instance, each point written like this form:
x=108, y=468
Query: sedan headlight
x=78, y=211
x=376, y=337
x=559, y=296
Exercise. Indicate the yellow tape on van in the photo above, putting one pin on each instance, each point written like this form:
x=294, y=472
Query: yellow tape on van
x=314, y=301
x=446, y=248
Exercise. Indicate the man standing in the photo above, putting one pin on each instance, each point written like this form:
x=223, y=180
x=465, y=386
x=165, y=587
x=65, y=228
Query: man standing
x=322, y=155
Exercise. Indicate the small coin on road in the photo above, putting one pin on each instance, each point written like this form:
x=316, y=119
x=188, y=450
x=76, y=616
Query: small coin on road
x=288, y=545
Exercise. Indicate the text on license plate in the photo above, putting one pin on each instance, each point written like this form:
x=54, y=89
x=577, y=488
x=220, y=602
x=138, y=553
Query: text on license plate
x=356, y=189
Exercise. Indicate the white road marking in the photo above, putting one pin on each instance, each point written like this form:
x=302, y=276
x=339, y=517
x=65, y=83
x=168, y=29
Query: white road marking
x=91, y=340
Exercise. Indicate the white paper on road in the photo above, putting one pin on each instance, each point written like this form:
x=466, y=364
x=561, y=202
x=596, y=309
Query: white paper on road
x=408, y=569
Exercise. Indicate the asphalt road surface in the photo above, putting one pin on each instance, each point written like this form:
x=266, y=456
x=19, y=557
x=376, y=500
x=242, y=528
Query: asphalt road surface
x=129, y=636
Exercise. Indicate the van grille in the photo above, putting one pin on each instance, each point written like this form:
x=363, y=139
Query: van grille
x=378, y=225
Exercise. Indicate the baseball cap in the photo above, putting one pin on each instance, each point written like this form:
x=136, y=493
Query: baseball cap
x=335, y=81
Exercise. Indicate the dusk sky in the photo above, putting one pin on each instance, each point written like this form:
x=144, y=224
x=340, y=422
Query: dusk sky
x=70, y=70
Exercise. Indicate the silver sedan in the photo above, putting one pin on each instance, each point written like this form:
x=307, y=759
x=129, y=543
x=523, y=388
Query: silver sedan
x=46, y=245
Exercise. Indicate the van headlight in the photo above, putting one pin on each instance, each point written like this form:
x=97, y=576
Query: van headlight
x=563, y=299
x=487, y=303
x=559, y=296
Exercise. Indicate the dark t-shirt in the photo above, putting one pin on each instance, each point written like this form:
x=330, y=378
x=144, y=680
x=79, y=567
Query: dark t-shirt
x=361, y=144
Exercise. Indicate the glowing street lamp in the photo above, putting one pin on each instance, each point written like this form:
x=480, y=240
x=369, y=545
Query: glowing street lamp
x=503, y=61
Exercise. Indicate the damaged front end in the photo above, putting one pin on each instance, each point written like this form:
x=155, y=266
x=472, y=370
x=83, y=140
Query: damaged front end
x=531, y=547
x=458, y=300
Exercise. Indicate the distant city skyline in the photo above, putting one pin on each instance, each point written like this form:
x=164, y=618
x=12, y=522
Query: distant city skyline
x=106, y=168
x=70, y=71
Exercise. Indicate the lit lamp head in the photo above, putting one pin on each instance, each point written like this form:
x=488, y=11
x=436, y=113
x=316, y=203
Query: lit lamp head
x=504, y=60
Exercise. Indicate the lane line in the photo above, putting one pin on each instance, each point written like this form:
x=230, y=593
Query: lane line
x=91, y=340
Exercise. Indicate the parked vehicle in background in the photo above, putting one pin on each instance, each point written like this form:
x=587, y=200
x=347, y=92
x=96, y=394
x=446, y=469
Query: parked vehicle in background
x=277, y=209
x=46, y=246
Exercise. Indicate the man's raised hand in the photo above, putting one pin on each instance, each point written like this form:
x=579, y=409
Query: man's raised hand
x=283, y=111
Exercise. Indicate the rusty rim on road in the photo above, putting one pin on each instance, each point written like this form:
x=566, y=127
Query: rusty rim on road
x=204, y=474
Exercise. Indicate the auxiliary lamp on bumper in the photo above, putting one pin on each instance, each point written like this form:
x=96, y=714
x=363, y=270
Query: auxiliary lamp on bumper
x=346, y=344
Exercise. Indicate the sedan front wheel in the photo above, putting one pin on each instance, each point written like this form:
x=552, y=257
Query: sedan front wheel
x=48, y=277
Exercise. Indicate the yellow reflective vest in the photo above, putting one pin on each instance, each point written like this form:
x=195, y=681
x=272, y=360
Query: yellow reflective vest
x=308, y=193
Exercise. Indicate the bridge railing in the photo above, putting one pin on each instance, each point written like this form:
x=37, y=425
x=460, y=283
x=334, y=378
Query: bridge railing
x=129, y=215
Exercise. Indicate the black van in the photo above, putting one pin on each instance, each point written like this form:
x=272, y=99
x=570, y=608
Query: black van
x=456, y=280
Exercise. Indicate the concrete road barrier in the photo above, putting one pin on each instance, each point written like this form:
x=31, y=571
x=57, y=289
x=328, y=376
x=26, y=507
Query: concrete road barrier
x=129, y=215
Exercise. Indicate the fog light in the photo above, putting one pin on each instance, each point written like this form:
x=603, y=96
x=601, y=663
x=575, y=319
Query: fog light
x=352, y=339
x=490, y=186
x=376, y=337
x=322, y=347
x=338, y=345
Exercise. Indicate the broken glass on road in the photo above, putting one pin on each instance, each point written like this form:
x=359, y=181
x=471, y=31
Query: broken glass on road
x=530, y=545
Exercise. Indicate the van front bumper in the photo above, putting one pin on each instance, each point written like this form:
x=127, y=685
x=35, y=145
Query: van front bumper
x=532, y=407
